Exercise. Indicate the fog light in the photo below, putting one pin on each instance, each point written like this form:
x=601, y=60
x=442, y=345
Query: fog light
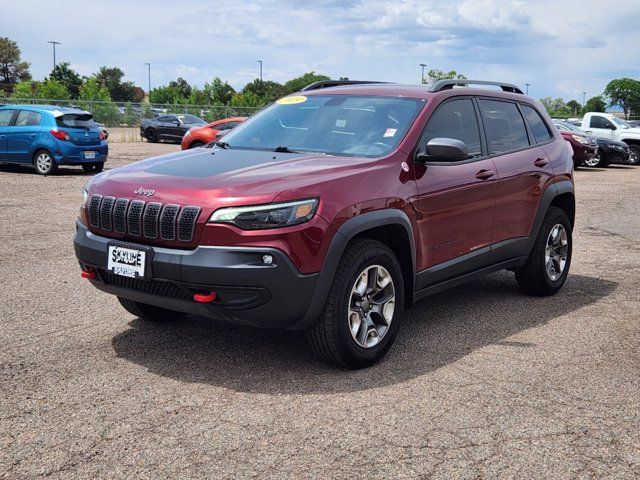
x=267, y=259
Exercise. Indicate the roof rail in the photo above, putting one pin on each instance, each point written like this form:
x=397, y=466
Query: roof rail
x=335, y=83
x=449, y=84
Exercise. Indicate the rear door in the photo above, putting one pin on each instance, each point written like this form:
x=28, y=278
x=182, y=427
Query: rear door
x=167, y=126
x=5, y=122
x=523, y=170
x=456, y=200
x=23, y=135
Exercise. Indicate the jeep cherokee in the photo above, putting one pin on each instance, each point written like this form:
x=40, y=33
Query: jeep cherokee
x=335, y=208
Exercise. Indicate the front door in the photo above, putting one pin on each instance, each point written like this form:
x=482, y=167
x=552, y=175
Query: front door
x=5, y=121
x=601, y=126
x=455, y=201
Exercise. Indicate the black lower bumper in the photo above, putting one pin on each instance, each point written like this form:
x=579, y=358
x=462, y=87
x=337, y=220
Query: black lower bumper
x=248, y=291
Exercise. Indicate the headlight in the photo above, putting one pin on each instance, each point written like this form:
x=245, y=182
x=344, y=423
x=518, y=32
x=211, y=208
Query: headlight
x=272, y=215
x=581, y=139
x=85, y=196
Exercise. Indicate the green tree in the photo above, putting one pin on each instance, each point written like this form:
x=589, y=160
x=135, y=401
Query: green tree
x=119, y=91
x=52, y=89
x=129, y=117
x=268, y=90
x=624, y=92
x=556, y=107
x=181, y=86
x=248, y=99
x=218, y=92
x=435, y=75
x=298, y=83
x=138, y=94
x=68, y=77
x=166, y=95
x=574, y=107
x=595, y=104
x=12, y=69
x=95, y=97
x=25, y=89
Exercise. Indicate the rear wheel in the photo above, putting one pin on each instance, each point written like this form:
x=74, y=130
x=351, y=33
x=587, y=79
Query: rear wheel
x=634, y=154
x=44, y=162
x=363, y=310
x=149, y=312
x=93, y=167
x=151, y=135
x=548, y=264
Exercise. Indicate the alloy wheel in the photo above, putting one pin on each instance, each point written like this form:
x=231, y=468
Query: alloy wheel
x=371, y=306
x=556, y=250
x=44, y=162
x=634, y=156
x=594, y=161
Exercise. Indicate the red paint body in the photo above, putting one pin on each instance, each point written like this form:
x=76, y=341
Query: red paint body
x=581, y=152
x=206, y=134
x=452, y=211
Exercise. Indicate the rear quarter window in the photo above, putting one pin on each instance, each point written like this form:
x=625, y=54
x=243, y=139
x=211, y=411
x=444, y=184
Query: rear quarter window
x=504, y=125
x=538, y=127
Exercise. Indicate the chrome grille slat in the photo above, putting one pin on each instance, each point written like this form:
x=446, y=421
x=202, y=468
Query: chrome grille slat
x=94, y=210
x=150, y=220
x=168, y=222
x=119, y=215
x=134, y=217
x=187, y=222
x=106, y=207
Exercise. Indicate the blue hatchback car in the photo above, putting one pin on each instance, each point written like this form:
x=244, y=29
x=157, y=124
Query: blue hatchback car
x=45, y=136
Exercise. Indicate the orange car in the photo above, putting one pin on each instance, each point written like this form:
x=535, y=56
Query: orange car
x=198, y=136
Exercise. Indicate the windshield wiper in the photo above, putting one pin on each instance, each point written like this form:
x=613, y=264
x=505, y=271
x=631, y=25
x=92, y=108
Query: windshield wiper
x=282, y=149
x=221, y=144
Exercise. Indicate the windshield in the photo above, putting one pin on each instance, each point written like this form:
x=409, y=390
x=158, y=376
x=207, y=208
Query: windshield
x=332, y=124
x=568, y=126
x=76, y=120
x=620, y=122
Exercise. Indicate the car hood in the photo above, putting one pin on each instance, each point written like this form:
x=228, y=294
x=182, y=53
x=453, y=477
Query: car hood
x=213, y=177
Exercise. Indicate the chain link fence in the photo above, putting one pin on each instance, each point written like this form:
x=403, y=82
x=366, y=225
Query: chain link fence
x=123, y=114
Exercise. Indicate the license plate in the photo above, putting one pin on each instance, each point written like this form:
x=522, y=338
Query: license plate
x=127, y=262
x=89, y=154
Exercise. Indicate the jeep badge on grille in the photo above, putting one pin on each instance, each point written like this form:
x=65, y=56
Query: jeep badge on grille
x=144, y=191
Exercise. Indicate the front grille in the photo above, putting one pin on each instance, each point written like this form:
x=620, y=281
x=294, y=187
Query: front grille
x=139, y=219
x=153, y=287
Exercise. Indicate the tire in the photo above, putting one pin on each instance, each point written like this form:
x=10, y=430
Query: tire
x=634, y=154
x=93, y=167
x=596, y=161
x=196, y=144
x=44, y=162
x=149, y=312
x=535, y=278
x=331, y=337
x=151, y=135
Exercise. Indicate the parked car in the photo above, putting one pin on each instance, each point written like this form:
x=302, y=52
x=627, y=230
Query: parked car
x=607, y=125
x=169, y=127
x=335, y=208
x=46, y=136
x=199, y=136
x=609, y=150
x=585, y=147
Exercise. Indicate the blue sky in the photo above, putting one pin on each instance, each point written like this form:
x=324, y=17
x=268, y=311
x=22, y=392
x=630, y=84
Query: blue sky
x=560, y=48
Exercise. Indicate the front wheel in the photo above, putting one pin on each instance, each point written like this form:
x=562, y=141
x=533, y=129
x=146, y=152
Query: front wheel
x=196, y=144
x=634, y=154
x=149, y=312
x=363, y=310
x=547, y=267
x=596, y=161
x=44, y=163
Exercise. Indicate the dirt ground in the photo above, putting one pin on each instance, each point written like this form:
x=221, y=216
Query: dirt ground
x=482, y=382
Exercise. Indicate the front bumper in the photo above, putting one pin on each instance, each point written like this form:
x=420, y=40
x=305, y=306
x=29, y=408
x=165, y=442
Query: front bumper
x=248, y=291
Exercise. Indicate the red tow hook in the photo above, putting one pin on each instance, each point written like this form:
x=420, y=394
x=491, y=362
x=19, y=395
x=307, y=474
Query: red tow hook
x=89, y=275
x=205, y=297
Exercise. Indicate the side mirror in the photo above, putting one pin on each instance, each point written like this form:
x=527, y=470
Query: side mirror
x=443, y=150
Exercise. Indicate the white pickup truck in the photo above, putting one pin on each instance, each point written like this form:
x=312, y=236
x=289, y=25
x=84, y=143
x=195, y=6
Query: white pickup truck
x=609, y=126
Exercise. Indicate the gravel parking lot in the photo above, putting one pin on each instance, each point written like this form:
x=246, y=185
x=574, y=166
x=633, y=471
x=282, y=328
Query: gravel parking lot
x=482, y=382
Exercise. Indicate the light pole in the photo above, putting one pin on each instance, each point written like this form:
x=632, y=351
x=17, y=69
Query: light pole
x=527, y=85
x=260, y=62
x=149, y=75
x=54, y=43
x=422, y=78
x=584, y=99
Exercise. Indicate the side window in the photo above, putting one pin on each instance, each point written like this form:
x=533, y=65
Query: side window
x=540, y=130
x=601, y=122
x=505, y=126
x=5, y=117
x=220, y=126
x=230, y=125
x=455, y=119
x=167, y=119
x=28, y=119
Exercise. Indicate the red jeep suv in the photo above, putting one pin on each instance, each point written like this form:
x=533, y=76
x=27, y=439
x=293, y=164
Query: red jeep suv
x=336, y=208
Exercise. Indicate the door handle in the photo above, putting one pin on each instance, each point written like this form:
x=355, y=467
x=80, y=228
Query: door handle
x=589, y=131
x=33, y=135
x=541, y=162
x=485, y=174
